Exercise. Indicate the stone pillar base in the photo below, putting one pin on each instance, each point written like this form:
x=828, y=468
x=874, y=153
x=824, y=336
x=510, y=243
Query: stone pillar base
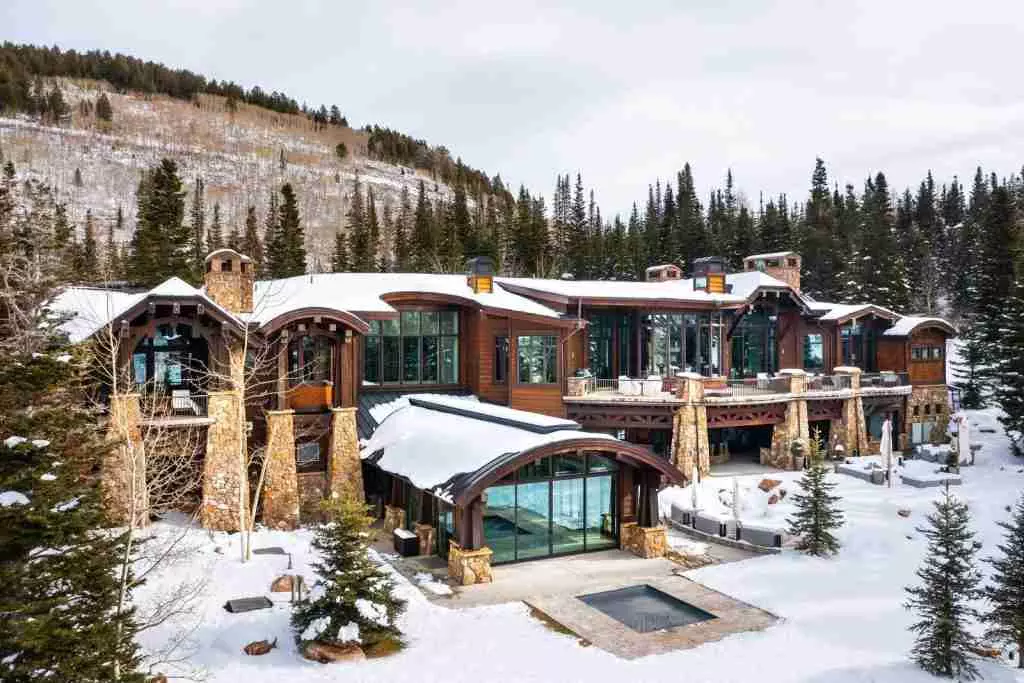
x=280, y=488
x=467, y=567
x=644, y=541
x=394, y=518
x=426, y=535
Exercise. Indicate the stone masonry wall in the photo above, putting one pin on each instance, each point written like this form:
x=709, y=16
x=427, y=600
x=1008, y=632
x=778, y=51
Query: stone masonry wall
x=280, y=487
x=645, y=542
x=124, y=465
x=467, y=567
x=690, y=428
x=225, y=483
x=345, y=467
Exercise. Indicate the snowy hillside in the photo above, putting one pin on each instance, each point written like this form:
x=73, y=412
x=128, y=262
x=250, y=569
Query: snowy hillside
x=238, y=154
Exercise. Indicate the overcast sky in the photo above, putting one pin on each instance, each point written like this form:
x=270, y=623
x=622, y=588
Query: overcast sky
x=624, y=92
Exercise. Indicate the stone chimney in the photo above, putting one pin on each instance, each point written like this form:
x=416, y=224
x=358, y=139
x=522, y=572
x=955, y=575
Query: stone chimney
x=662, y=273
x=480, y=276
x=782, y=265
x=229, y=280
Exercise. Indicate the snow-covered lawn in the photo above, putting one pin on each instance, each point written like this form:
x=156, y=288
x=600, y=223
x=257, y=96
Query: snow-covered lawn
x=842, y=619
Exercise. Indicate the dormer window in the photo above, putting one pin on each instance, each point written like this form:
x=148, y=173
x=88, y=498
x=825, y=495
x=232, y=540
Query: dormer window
x=225, y=266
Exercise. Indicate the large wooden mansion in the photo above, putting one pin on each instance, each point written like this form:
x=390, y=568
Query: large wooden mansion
x=503, y=419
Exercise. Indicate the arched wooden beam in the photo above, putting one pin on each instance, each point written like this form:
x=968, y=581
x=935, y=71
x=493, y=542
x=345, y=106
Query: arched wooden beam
x=472, y=485
x=298, y=315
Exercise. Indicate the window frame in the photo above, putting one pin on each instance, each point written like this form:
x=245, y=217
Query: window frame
x=400, y=343
x=297, y=376
x=556, y=362
x=502, y=346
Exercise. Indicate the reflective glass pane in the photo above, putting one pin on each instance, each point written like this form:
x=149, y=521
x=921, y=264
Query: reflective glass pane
x=449, y=322
x=538, y=469
x=139, y=368
x=566, y=465
x=449, y=360
x=500, y=522
x=390, y=328
x=411, y=359
x=391, y=355
x=532, y=519
x=410, y=323
x=429, y=322
x=600, y=463
x=429, y=369
x=371, y=360
x=567, y=515
x=374, y=326
x=600, y=520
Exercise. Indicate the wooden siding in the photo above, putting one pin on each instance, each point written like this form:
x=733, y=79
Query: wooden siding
x=893, y=354
x=927, y=371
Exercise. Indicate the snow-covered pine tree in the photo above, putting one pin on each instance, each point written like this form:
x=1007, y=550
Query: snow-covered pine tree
x=1008, y=369
x=950, y=581
x=251, y=245
x=1005, y=621
x=215, y=235
x=353, y=598
x=817, y=513
x=969, y=374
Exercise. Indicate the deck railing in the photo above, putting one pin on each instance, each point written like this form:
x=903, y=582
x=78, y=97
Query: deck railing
x=884, y=380
x=177, y=403
x=828, y=382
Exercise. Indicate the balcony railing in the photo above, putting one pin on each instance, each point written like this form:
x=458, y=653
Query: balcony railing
x=884, y=380
x=174, y=405
x=828, y=382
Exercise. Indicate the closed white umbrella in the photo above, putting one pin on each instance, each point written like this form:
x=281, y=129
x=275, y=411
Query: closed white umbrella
x=886, y=449
x=694, y=501
x=736, y=499
x=963, y=437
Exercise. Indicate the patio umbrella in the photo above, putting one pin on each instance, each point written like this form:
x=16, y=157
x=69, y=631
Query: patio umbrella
x=963, y=438
x=886, y=449
x=694, y=502
x=736, y=499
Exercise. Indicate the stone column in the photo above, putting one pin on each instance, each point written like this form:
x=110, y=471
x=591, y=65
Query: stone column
x=394, y=518
x=123, y=467
x=795, y=427
x=345, y=467
x=225, y=479
x=280, y=485
x=853, y=432
x=690, y=427
x=467, y=567
x=426, y=533
x=643, y=541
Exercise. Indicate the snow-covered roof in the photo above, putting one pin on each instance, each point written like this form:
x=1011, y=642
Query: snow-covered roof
x=774, y=254
x=744, y=285
x=429, y=443
x=359, y=293
x=91, y=308
x=835, y=311
x=225, y=251
x=908, y=323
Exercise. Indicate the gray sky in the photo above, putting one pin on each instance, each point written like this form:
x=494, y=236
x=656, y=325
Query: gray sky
x=624, y=92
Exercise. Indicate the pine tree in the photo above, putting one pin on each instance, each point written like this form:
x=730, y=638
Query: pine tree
x=576, y=235
x=1005, y=621
x=969, y=371
x=291, y=239
x=402, y=225
x=817, y=514
x=251, y=245
x=162, y=245
x=112, y=255
x=423, y=249
x=942, y=601
x=360, y=248
x=104, y=112
x=90, y=257
x=1008, y=367
x=214, y=236
x=340, y=259
x=197, y=218
x=354, y=597
x=373, y=231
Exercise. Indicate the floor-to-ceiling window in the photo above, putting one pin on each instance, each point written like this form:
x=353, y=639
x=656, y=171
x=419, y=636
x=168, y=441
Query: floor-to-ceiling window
x=814, y=352
x=681, y=342
x=171, y=359
x=858, y=342
x=552, y=506
x=421, y=347
x=753, y=345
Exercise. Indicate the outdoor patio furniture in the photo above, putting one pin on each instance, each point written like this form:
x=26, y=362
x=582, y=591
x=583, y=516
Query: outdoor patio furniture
x=932, y=481
x=709, y=525
x=651, y=386
x=766, y=538
x=680, y=515
x=272, y=550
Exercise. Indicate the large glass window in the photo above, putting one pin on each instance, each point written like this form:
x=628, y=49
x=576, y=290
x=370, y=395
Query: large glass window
x=310, y=359
x=537, y=359
x=171, y=359
x=421, y=347
x=600, y=338
x=858, y=345
x=814, y=353
x=562, y=504
x=681, y=342
x=753, y=345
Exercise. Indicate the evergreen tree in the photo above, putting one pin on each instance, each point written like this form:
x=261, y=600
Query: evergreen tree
x=882, y=272
x=576, y=235
x=822, y=258
x=291, y=239
x=1006, y=592
x=402, y=260
x=90, y=262
x=1000, y=250
x=197, y=218
x=340, y=260
x=1008, y=368
x=215, y=235
x=112, y=255
x=817, y=514
x=353, y=598
x=251, y=245
x=361, y=249
x=373, y=231
x=969, y=371
x=423, y=250
x=162, y=245
x=691, y=241
x=104, y=112
x=942, y=601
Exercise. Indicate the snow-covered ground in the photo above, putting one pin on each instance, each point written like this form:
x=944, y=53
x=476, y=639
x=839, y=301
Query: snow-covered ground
x=842, y=619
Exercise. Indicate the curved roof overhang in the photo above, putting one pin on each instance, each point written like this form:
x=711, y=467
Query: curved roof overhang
x=412, y=297
x=937, y=323
x=466, y=487
x=332, y=314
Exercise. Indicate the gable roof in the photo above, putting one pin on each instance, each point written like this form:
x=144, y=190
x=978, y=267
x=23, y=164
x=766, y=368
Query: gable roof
x=909, y=323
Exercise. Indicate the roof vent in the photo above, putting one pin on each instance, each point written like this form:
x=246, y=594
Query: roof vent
x=480, y=274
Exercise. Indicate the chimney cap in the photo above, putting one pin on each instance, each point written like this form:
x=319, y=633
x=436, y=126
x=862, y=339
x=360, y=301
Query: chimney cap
x=229, y=253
